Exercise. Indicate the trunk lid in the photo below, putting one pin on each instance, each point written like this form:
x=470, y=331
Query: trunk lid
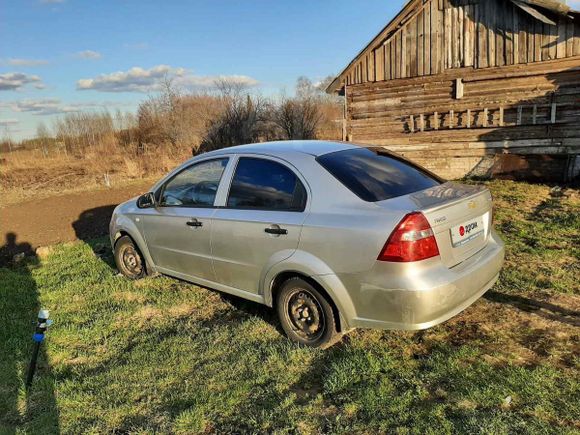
x=459, y=214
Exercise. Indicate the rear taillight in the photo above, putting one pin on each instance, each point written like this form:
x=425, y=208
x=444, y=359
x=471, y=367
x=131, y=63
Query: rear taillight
x=412, y=240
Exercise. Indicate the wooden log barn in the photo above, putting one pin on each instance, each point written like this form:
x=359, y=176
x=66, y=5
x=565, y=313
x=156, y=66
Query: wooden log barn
x=471, y=87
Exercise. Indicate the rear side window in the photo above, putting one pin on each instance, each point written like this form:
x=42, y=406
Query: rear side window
x=375, y=176
x=266, y=185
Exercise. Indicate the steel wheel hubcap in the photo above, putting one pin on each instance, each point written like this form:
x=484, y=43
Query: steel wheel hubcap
x=131, y=260
x=306, y=315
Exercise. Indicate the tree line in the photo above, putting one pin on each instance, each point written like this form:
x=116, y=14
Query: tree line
x=175, y=120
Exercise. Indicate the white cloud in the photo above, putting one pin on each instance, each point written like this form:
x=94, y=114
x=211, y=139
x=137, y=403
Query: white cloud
x=7, y=122
x=54, y=106
x=25, y=62
x=16, y=81
x=150, y=80
x=89, y=54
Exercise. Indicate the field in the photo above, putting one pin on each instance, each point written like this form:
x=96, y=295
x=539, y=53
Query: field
x=160, y=355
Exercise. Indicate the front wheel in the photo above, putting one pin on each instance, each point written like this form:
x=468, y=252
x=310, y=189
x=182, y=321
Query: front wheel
x=129, y=260
x=305, y=314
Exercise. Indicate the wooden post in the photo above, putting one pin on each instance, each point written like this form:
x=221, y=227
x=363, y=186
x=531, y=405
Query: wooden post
x=485, y=117
x=421, y=122
x=451, y=116
x=501, y=116
x=436, y=120
x=534, y=114
x=412, y=123
x=468, y=118
x=553, y=114
x=458, y=89
x=519, y=118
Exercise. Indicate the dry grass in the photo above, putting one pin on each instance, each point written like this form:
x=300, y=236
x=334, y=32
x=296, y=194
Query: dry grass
x=29, y=174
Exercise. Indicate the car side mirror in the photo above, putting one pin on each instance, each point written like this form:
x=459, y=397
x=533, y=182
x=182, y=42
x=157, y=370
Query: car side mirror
x=147, y=200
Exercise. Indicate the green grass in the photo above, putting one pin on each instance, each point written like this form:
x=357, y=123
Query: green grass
x=159, y=355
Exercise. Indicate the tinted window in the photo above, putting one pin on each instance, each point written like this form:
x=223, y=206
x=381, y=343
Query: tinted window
x=375, y=176
x=195, y=186
x=265, y=184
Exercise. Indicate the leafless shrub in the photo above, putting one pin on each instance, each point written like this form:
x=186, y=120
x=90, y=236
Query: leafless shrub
x=298, y=118
x=81, y=130
x=244, y=119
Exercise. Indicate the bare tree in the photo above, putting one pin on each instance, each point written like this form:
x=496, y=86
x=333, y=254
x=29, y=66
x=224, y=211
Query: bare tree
x=43, y=136
x=298, y=118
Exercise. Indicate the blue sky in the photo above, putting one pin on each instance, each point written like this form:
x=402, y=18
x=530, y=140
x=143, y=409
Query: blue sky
x=58, y=56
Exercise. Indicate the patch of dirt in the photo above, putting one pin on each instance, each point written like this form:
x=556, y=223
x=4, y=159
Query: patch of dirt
x=42, y=222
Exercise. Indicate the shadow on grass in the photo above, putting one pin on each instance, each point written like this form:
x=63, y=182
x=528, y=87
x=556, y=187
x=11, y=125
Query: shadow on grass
x=544, y=309
x=32, y=410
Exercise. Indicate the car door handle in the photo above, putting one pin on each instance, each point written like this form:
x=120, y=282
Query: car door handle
x=194, y=223
x=276, y=230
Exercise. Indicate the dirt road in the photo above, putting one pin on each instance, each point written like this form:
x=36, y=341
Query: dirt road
x=28, y=225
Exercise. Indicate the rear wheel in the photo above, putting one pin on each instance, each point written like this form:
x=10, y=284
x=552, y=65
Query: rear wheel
x=305, y=314
x=129, y=260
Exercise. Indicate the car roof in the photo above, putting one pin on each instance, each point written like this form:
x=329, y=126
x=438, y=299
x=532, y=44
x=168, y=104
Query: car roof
x=312, y=147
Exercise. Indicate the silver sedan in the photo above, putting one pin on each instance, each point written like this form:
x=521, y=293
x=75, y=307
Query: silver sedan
x=332, y=235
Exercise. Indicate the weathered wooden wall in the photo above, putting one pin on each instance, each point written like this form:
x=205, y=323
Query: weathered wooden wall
x=520, y=109
x=437, y=35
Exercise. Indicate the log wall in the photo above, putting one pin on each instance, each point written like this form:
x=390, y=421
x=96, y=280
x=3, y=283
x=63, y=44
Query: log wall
x=458, y=121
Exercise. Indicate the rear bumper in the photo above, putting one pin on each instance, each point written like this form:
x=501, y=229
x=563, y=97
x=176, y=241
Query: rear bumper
x=427, y=296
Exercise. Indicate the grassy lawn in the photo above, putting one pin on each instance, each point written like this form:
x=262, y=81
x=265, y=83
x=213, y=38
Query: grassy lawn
x=159, y=355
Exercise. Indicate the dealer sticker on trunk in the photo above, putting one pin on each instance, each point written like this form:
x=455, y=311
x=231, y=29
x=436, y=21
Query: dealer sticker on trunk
x=465, y=232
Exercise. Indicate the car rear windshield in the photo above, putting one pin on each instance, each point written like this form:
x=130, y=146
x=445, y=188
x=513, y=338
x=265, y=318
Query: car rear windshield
x=374, y=175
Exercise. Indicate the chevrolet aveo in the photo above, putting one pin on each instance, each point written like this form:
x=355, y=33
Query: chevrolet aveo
x=334, y=236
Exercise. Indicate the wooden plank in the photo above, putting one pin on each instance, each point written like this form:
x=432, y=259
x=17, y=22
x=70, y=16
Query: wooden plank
x=482, y=52
x=553, y=41
x=460, y=36
x=411, y=123
x=508, y=34
x=485, y=117
x=422, y=122
x=501, y=116
x=451, y=118
x=535, y=114
x=398, y=56
x=448, y=41
x=491, y=26
x=468, y=118
x=530, y=35
x=522, y=39
x=538, y=38
x=427, y=40
x=420, y=43
x=519, y=116
x=404, y=59
x=469, y=34
x=500, y=38
x=436, y=120
x=561, y=41
x=439, y=62
x=516, y=35
x=379, y=63
x=553, y=113
x=412, y=48
x=570, y=38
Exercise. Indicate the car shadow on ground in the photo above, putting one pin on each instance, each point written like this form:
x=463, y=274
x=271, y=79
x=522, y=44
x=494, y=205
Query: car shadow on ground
x=93, y=224
x=544, y=309
x=21, y=409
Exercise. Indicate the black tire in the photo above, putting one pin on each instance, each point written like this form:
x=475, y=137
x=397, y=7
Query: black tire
x=305, y=314
x=128, y=258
